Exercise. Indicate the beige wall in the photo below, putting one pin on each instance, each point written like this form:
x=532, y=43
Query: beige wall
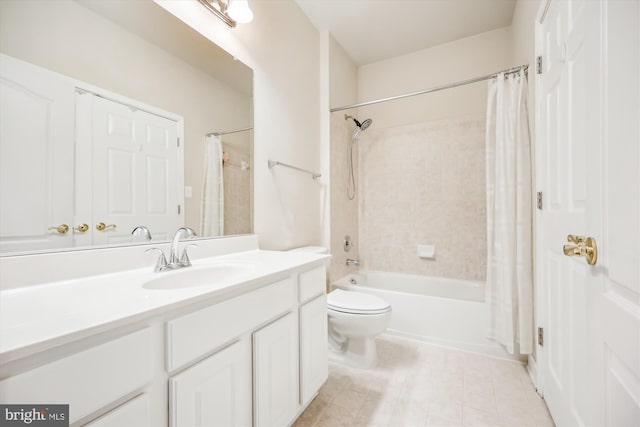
x=451, y=62
x=343, y=84
x=523, y=34
x=283, y=48
x=422, y=173
x=72, y=40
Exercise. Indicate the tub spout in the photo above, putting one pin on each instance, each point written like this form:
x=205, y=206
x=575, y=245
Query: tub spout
x=355, y=262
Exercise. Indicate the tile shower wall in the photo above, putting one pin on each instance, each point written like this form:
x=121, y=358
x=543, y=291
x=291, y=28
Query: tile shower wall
x=344, y=212
x=237, y=192
x=424, y=184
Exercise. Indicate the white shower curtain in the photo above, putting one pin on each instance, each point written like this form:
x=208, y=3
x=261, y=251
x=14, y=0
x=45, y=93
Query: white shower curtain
x=509, y=248
x=212, y=213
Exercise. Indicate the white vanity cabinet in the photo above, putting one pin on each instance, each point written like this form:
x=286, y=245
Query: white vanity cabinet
x=214, y=392
x=88, y=380
x=275, y=373
x=254, y=354
x=314, y=363
x=275, y=364
x=135, y=412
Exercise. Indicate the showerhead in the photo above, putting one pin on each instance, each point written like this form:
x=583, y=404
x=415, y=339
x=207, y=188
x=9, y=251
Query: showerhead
x=364, y=125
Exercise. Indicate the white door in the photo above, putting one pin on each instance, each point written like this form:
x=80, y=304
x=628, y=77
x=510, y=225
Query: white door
x=617, y=283
x=275, y=373
x=314, y=365
x=587, y=170
x=130, y=171
x=36, y=157
x=215, y=392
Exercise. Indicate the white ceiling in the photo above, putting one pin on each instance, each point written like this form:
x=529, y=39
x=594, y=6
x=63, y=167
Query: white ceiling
x=373, y=30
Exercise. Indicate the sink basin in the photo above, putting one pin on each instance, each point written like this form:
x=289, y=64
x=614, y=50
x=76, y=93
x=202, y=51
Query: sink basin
x=190, y=277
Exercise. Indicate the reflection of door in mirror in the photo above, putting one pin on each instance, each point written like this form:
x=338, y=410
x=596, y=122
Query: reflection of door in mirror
x=131, y=160
x=36, y=155
x=129, y=164
x=138, y=50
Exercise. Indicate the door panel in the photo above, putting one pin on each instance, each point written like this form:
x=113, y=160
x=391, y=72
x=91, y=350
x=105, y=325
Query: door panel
x=136, y=171
x=564, y=147
x=36, y=157
x=618, y=293
x=589, y=166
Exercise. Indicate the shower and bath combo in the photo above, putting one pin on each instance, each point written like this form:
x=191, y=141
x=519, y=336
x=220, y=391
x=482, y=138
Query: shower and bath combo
x=351, y=184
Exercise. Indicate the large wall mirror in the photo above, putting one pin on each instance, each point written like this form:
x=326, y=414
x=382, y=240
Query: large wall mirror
x=116, y=116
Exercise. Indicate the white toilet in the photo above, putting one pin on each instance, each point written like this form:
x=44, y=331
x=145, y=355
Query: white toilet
x=355, y=320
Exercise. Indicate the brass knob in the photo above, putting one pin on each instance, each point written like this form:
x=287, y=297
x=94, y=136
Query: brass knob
x=62, y=228
x=101, y=226
x=584, y=246
x=575, y=239
x=82, y=228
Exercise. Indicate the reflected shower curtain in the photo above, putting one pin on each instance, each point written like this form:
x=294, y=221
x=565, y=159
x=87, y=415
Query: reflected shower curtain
x=509, y=293
x=212, y=213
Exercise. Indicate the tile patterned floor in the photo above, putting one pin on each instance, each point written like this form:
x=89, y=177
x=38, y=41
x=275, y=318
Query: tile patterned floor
x=420, y=385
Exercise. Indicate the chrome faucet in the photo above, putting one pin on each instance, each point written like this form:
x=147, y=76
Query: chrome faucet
x=355, y=262
x=175, y=260
x=141, y=231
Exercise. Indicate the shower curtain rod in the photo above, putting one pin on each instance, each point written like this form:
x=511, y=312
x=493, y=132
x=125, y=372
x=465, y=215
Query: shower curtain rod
x=229, y=131
x=433, y=89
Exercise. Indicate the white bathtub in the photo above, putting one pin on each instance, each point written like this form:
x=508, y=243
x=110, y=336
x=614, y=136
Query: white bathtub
x=438, y=310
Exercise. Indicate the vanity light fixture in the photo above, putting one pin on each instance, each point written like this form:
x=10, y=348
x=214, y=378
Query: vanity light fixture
x=230, y=11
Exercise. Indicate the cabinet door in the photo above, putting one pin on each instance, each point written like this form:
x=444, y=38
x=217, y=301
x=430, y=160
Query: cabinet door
x=275, y=361
x=214, y=392
x=313, y=347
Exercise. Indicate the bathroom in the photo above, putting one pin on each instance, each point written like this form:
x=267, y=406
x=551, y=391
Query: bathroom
x=297, y=73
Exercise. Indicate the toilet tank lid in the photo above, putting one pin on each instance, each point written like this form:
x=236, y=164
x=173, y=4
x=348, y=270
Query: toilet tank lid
x=311, y=249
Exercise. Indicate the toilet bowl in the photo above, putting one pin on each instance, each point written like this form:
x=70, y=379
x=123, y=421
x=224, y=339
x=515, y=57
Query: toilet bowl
x=355, y=320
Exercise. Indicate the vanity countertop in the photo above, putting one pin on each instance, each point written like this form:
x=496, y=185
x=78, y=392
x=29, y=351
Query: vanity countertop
x=38, y=318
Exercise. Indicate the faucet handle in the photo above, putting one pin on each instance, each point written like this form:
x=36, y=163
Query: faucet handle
x=184, y=259
x=161, y=264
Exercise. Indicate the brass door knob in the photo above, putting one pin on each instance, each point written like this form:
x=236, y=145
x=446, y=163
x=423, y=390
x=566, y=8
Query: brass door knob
x=62, y=228
x=583, y=246
x=82, y=228
x=101, y=226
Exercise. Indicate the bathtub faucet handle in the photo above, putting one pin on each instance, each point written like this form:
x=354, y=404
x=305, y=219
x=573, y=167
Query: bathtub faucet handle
x=351, y=262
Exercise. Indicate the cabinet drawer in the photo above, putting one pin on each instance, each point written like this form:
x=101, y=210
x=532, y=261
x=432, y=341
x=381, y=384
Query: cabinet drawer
x=87, y=380
x=312, y=283
x=196, y=334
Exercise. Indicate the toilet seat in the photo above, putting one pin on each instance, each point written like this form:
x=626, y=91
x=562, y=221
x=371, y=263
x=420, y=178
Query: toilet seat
x=356, y=302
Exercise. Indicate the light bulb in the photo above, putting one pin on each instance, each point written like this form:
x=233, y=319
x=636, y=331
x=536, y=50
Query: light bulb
x=239, y=11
